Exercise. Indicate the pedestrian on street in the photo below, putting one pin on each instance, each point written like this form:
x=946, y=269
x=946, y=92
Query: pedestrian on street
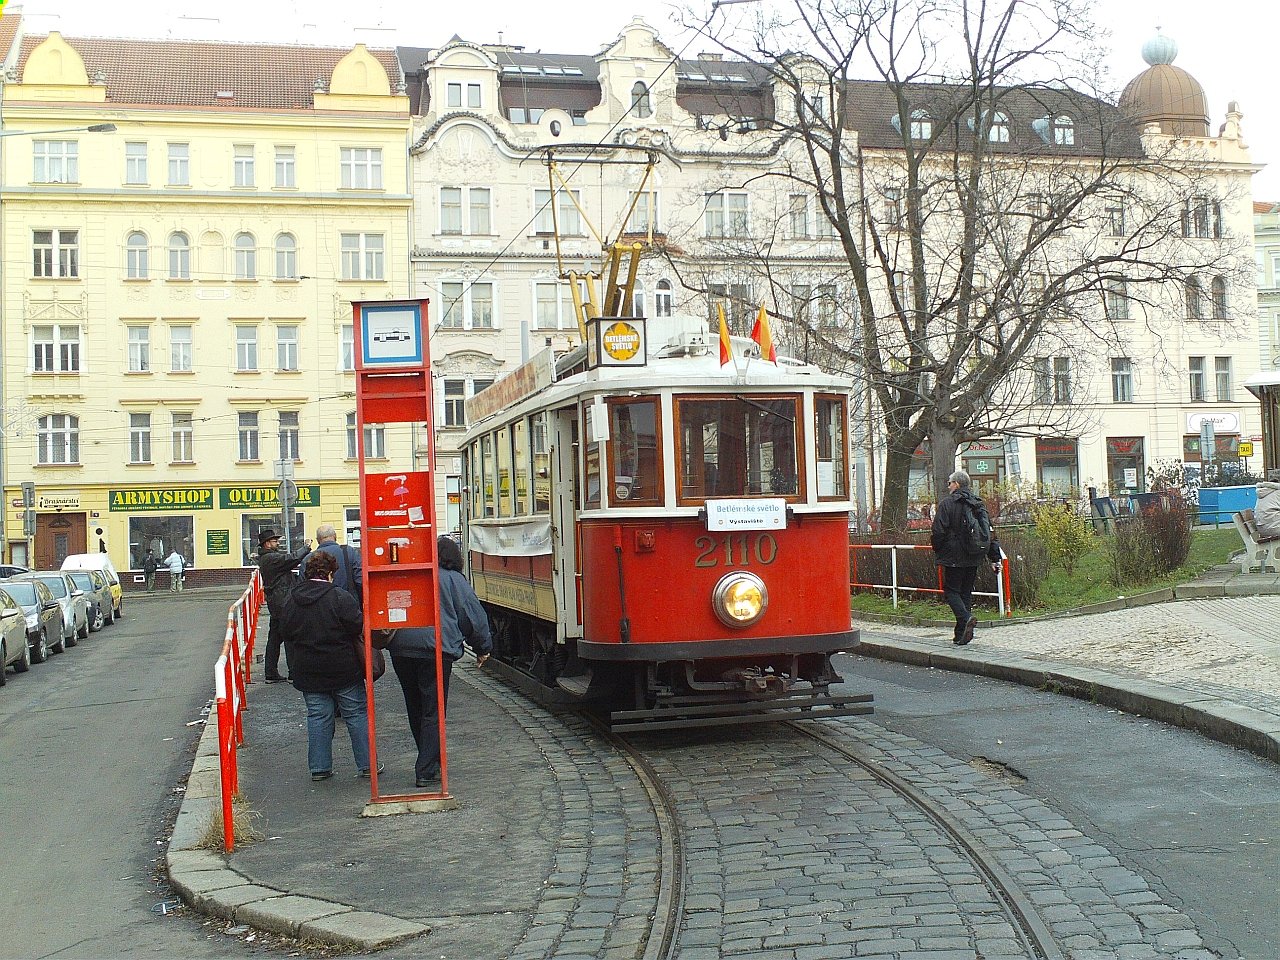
x=176, y=564
x=962, y=539
x=413, y=655
x=349, y=571
x=323, y=632
x=149, y=567
x=278, y=579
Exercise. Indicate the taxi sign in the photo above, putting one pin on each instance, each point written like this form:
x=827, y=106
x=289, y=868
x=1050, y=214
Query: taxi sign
x=1245, y=448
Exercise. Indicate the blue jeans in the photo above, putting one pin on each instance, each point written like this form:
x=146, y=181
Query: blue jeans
x=320, y=724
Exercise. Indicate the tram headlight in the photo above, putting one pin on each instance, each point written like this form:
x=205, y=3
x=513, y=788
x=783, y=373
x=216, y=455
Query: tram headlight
x=740, y=599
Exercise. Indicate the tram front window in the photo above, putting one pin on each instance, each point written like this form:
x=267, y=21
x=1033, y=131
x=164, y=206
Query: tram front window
x=738, y=447
x=634, y=465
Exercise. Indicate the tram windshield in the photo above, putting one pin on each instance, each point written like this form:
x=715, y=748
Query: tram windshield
x=741, y=446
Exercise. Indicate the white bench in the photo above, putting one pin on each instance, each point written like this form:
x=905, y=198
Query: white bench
x=1258, y=552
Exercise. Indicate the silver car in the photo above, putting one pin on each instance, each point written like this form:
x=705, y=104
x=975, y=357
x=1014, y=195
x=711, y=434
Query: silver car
x=43, y=614
x=102, y=607
x=74, y=603
x=14, y=650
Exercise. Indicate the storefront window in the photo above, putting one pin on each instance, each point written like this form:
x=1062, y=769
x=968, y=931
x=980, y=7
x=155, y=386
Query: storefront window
x=634, y=463
x=833, y=468
x=161, y=535
x=1057, y=466
x=251, y=524
x=738, y=447
x=1126, y=465
x=983, y=460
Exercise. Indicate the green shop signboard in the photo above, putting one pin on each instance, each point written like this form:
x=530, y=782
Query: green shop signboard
x=264, y=497
x=217, y=543
x=160, y=499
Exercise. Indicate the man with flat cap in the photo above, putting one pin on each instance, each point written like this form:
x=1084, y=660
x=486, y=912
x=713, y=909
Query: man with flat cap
x=278, y=578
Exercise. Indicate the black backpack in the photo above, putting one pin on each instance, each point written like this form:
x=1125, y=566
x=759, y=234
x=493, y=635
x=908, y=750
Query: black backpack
x=975, y=530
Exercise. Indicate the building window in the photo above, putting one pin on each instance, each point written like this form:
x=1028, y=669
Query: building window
x=361, y=168
x=921, y=125
x=362, y=256
x=139, y=438
x=375, y=440
x=242, y=163
x=453, y=94
x=1222, y=378
x=247, y=430
x=55, y=161
x=1116, y=299
x=58, y=439
x=641, y=106
x=180, y=349
x=451, y=220
x=179, y=256
x=246, y=349
x=565, y=216
x=1041, y=381
x=528, y=115
x=1121, y=380
x=1115, y=220
x=1064, y=133
x=451, y=210
x=289, y=435
x=57, y=349
x=799, y=216
x=286, y=257
x=579, y=117
x=179, y=165
x=467, y=306
x=478, y=211
x=1061, y=379
x=662, y=299
x=55, y=253
x=644, y=213
x=998, y=132
x=1202, y=217
x=286, y=168
x=139, y=349
x=726, y=214
x=135, y=256
x=473, y=95
x=892, y=208
x=1195, y=299
x=549, y=305
x=135, y=164
x=183, y=445
x=287, y=347
x=1195, y=373
x=1219, y=295
x=347, y=347
x=246, y=257
x=637, y=300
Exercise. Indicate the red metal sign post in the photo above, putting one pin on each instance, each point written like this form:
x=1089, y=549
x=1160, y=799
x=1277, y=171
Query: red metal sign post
x=397, y=509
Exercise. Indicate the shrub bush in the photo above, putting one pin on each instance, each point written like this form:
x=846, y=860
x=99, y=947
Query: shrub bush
x=1153, y=544
x=1029, y=564
x=1065, y=536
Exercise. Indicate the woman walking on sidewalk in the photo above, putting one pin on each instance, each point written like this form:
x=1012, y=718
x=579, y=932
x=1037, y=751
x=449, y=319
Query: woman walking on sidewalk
x=322, y=630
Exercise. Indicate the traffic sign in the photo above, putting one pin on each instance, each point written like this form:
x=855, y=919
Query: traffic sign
x=287, y=493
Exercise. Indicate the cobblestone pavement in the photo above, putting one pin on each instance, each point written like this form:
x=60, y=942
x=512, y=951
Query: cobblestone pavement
x=1229, y=646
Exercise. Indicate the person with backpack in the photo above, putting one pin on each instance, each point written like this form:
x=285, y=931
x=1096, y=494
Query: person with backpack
x=962, y=539
x=348, y=575
x=149, y=567
x=278, y=580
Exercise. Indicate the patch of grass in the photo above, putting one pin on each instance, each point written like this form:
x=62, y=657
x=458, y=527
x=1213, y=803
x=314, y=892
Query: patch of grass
x=245, y=822
x=1087, y=583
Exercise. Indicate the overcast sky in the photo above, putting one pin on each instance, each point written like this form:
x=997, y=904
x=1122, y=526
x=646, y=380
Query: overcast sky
x=1226, y=45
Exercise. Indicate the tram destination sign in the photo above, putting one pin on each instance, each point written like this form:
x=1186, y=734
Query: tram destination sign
x=765, y=514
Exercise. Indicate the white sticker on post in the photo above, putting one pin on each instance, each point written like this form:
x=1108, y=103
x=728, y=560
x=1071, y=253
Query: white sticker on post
x=397, y=615
x=765, y=514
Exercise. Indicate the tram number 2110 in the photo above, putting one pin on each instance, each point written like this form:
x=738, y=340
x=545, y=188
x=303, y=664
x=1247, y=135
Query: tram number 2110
x=736, y=549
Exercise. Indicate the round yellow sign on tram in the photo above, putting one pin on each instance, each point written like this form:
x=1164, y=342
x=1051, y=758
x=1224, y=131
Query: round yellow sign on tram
x=621, y=341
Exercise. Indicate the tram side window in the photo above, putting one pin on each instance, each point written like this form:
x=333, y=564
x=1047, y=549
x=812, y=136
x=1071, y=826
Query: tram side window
x=541, y=464
x=503, y=445
x=833, y=459
x=591, y=470
x=520, y=447
x=487, y=474
x=738, y=447
x=634, y=464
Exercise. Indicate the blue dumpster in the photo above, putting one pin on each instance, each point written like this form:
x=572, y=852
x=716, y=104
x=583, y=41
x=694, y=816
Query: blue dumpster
x=1217, y=504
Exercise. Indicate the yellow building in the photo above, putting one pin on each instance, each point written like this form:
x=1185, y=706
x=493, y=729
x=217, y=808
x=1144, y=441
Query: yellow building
x=176, y=292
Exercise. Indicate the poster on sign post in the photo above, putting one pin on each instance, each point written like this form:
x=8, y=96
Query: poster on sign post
x=398, y=519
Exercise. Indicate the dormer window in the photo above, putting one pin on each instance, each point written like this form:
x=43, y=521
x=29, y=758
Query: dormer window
x=998, y=131
x=1064, y=131
x=921, y=125
x=641, y=106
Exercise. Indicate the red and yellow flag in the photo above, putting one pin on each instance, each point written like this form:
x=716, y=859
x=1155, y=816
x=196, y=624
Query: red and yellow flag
x=760, y=334
x=726, y=349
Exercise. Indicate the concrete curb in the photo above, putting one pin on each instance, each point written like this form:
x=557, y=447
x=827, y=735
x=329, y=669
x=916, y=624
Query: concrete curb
x=206, y=880
x=1221, y=720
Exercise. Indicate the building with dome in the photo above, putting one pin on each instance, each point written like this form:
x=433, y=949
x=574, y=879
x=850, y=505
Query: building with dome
x=1166, y=95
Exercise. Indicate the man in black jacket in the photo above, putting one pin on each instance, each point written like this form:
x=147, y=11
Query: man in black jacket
x=278, y=580
x=956, y=552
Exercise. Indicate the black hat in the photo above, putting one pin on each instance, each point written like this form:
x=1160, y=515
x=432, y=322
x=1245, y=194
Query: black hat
x=266, y=535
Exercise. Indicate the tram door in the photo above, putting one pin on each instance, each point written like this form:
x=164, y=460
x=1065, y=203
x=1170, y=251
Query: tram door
x=566, y=570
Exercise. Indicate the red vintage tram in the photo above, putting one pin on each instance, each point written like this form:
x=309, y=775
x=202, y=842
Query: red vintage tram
x=650, y=528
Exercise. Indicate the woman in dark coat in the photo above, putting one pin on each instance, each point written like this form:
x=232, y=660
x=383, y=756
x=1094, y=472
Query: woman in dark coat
x=413, y=654
x=324, y=641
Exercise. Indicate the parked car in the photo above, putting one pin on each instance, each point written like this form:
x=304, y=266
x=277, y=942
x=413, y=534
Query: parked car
x=74, y=603
x=97, y=588
x=14, y=650
x=11, y=570
x=45, y=631
x=102, y=563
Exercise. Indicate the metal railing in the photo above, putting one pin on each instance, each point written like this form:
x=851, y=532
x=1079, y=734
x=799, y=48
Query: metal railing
x=230, y=678
x=1003, y=593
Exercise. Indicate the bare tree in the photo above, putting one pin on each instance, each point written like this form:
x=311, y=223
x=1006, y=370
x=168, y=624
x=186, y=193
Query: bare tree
x=992, y=210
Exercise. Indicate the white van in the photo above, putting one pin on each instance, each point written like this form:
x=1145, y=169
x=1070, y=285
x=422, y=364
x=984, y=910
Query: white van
x=100, y=562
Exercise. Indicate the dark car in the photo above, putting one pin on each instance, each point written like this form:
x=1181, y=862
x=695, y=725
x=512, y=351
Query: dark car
x=13, y=639
x=11, y=570
x=43, y=613
x=74, y=603
x=97, y=589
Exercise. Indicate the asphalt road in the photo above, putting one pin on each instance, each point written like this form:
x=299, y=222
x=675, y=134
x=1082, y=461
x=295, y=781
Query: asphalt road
x=1195, y=817
x=93, y=743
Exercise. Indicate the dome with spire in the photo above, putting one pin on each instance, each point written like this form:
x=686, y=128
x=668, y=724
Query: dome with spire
x=1166, y=95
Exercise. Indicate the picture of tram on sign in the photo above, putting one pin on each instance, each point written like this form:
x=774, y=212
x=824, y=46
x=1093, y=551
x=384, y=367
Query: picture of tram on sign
x=391, y=335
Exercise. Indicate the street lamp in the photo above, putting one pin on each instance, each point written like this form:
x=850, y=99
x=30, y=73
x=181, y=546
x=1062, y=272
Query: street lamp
x=88, y=128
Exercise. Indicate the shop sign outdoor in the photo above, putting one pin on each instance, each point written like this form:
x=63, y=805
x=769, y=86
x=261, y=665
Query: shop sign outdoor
x=59, y=501
x=160, y=499
x=265, y=496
